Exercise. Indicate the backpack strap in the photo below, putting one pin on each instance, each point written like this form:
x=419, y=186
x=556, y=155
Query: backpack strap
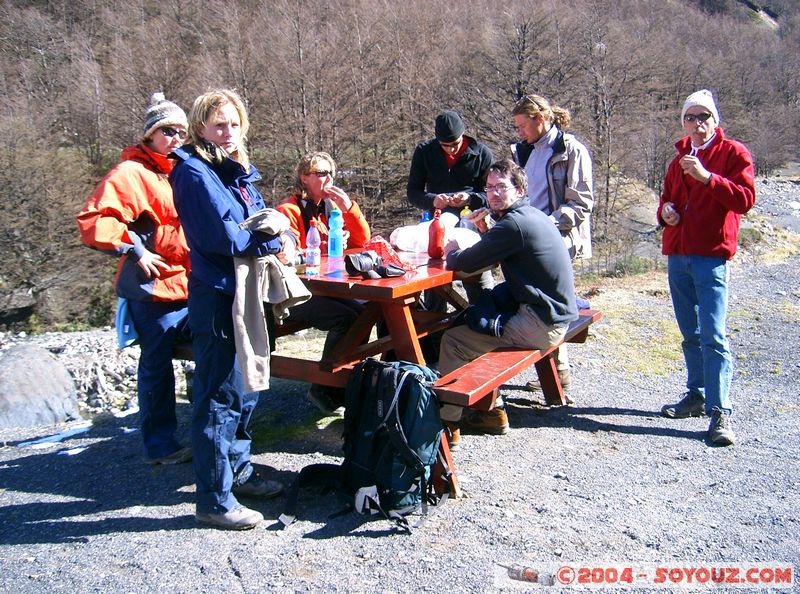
x=327, y=475
x=391, y=421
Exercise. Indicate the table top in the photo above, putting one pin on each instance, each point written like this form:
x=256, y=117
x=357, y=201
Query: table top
x=333, y=280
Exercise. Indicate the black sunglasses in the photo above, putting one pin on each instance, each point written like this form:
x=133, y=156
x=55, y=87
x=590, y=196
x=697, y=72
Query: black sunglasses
x=528, y=99
x=170, y=132
x=696, y=117
x=321, y=173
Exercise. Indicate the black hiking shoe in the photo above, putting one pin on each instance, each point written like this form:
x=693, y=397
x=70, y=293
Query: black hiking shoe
x=720, y=431
x=691, y=405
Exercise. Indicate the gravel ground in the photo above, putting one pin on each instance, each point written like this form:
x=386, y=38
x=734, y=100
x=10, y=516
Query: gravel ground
x=604, y=482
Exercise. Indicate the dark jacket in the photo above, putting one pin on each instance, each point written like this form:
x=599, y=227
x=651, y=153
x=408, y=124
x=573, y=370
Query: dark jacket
x=430, y=175
x=535, y=263
x=710, y=214
x=212, y=200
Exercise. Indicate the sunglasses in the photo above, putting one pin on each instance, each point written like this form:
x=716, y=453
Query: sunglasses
x=528, y=99
x=321, y=173
x=696, y=117
x=170, y=132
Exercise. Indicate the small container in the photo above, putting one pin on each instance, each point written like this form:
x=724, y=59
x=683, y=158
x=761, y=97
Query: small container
x=465, y=222
x=335, y=234
x=436, y=236
x=313, y=254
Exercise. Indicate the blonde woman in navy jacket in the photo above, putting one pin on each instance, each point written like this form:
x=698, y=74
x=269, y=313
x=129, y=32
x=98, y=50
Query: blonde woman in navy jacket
x=214, y=192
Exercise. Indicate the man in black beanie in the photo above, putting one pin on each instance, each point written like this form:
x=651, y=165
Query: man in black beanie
x=447, y=172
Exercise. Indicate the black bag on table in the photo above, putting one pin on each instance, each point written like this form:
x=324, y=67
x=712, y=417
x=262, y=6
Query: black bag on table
x=392, y=430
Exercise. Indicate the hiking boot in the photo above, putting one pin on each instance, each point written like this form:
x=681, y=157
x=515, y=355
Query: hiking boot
x=720, y=431
x=177, y=457
x=494, y=422
x=563, y=376
x=327, y=400
x=239, y=518
x=258, y=487
x=691, y=405
x=453, y=433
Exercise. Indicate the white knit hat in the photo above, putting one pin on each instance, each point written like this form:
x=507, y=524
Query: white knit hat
x=703, y=98
x=162, y=113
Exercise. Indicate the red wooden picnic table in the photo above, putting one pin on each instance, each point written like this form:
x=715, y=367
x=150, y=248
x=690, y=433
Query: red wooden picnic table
x=391, y=299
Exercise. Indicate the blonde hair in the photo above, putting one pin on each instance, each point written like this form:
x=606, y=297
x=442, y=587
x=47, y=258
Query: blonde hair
x=535, y=105
x=306, y=164
x=203, y=109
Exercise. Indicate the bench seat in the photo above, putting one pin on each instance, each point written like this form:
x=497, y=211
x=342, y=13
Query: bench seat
x=474, y=384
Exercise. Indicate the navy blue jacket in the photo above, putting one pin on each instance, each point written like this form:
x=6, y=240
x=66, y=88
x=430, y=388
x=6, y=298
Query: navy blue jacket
x=535, y=263
x=430, y=175
x=212, y=200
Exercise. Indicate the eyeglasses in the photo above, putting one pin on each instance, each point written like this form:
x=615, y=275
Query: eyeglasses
x=696, y=117
x=498, y=189
x=321, y=173
x=170, y=132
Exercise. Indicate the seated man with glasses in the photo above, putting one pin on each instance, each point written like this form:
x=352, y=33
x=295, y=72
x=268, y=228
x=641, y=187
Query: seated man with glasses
x=538, y=277
x=313, y=197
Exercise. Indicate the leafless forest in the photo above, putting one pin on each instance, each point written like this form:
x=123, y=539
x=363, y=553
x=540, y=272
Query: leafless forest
x=362, y=79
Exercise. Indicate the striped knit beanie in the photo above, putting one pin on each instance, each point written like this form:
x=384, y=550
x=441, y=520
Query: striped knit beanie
x=162, y=113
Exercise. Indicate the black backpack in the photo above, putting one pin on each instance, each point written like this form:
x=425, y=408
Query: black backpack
x=392, y=430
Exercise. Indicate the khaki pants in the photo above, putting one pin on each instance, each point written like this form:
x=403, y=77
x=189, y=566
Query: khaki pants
x=525, y=329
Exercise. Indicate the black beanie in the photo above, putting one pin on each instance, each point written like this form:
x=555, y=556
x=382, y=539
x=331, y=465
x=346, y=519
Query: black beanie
x=449, y=126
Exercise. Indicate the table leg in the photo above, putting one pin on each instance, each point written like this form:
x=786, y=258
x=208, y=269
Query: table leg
x=445, y=459
x=551, y=385
x=401, y=328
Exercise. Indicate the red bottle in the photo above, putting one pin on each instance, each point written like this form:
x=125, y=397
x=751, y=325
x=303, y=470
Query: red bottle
x=436, y=236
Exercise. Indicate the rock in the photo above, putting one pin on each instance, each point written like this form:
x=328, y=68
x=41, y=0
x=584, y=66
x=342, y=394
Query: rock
x=35, y=388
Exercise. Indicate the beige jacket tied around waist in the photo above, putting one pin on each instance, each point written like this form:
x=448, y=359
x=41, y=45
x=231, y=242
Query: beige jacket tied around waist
x=259, y=281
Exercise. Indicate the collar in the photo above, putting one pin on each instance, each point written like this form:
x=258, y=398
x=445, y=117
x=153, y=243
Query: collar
x=518, y=204
x=230, y=168
x=548, y=140
x=705, y=145
x=147, y=157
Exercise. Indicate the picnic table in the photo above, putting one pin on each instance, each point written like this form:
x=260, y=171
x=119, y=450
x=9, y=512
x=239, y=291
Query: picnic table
x=393, y=299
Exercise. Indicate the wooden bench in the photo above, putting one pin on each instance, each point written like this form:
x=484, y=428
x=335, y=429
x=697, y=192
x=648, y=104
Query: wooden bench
x=474, y=385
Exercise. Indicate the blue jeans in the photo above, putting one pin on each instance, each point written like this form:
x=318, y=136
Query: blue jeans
x=160, y=325
x=222, y=409
x=699, y=288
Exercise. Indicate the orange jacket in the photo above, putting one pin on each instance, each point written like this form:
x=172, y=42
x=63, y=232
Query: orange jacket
x=132, y=210
x=354, y=223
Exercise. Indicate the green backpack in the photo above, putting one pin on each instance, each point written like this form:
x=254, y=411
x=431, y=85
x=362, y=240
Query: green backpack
x=392, y=431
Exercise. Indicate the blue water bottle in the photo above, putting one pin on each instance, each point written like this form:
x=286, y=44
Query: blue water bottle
x=335, y=234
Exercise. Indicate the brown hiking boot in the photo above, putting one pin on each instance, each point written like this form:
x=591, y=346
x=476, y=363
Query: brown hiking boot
x=493, y=422
x=453, y=434
x=563, y=375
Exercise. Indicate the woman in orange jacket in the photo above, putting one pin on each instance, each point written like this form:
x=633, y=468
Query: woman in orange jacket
x=312, y=199
x=131, y=214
